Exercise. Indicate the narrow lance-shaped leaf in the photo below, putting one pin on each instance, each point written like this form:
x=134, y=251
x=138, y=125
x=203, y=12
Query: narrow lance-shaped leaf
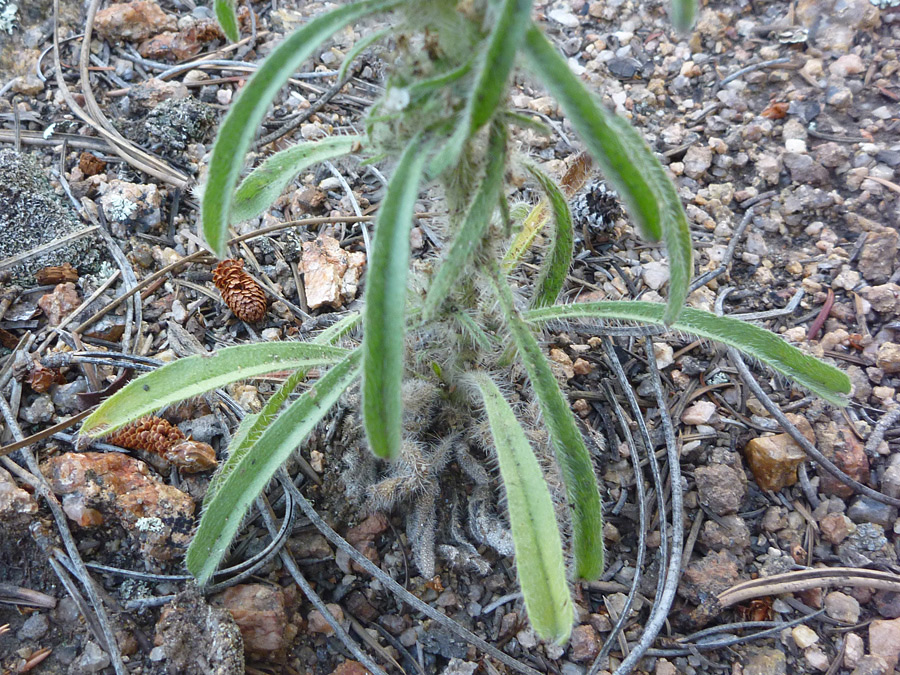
x=568, y=445
x=817, y=376
x=227, y=17
x=477, y=220
x=539, y=555
x=558, y=257
x=254, y=424
x=264, y=185
x=574, y=179
x=384, y=322
x=196, y=375
x=489, y=86
x=626, y=161
x=223, y=514
x=683, y=13
x=243, y=118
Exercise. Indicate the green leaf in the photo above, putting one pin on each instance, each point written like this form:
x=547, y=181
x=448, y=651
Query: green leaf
x=225, y=13
x=626, y=161
x=558, y=258
x=196, y=375
x=683, y=13
x=264, y=185
x=470, y=234
x=253, y=425
x=539, y=553
x=252, y=470
x=240, y=124
x=817, y=376
x=384, y=323
x=571, y=454
x=361, y=45
x=489, y=86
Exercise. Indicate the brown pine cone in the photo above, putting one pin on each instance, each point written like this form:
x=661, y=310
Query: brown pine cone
x=240, y=292
x=156, y=435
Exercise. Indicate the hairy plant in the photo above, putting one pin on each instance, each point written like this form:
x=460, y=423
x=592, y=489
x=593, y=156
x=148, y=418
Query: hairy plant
x=454, y=322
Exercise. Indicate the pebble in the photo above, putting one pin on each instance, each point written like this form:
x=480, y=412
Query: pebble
x=259, y=612
x=720, y=488
x=877, y=256
x=135, y=21
x=867, y=510
x=40, y=411
x=699, y=413
x=847, y=64
x=564, y=17
x=888, y=357
x=804, y=636
x=710, y=575
x=766, y=661
x=872, y=665
x=697, y=160
x=842, y=607
x=773, y=460
x=664, y=354
x=888, y=604
x=92, y=660
x=854, y=650
x=884, y=298
x=655, y=274
x=318, y=624
x=816, y=658
x=34, y=628
x=584, y=645
x=331, y=275
x=734, y=536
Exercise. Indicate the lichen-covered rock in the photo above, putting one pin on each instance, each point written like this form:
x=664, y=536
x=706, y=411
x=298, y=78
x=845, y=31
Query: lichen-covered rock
x=32, y=214
x=131, y=205
x=95, y=486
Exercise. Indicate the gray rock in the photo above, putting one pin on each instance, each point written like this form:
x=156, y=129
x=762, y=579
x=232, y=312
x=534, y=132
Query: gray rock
x=40, y=411
x=720, y=488
x=804, y=169
x=92, y=660
x=831, y=154
x=842, y=607
x=65, y=396
x=697, y=160
x=876, y=260
x=889, y=157
x=867, y=510
x=871, y=665
x=35, y=626
x=624, y=68
x=890, y=481
x=888, y=604
x=765, y=661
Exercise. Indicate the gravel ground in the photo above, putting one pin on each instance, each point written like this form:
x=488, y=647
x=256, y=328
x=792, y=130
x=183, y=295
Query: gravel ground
x=779, y=124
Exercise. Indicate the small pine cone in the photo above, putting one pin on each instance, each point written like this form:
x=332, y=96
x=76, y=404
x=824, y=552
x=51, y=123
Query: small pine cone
x=156, y=435
x=240, y=292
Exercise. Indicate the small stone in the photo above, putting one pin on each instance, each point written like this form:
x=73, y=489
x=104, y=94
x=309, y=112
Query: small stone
x=871, y=665
x=849, y=455
x=331, y=275
x=854, y=650
x=774, y=461
x=888, y=604
x=816, y=658
x=92, y=660
x=867, y=510
x=697, y=160
x=766, y=661
x=564, y=17
x=317, y=622
x=655, y=274
x=804, y=636
x=720, y=488
x=805, y=169
x=665, y=667
x=584, y=644
x=582, y=367
x=350, y=668
x=34, y=628
x=884, y=298
x=663, y=353
x=709, y=576
x=847, y=64
x=259, y=612
x=842, y=607
x=699, y=413
x=731, y=535
x=884, y=640
x=132, y=21
x=60, y=302
x=888, y=357
x=878, y=254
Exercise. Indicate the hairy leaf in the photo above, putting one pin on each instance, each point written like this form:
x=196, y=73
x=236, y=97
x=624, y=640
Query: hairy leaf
x=227, y=17
x=384, y=322
x=254, y=424
x=539, y=555
x=571, y=453
x=196, y=375
x=626, y=161
x=258, y=191
x=240, y=124
x=558, y=258
x=470, y=234
x=817, y=376
x=251, y=472
x=507, y=33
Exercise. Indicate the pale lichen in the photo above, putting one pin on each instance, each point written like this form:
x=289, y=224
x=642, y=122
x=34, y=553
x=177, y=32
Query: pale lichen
x=8, y=16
